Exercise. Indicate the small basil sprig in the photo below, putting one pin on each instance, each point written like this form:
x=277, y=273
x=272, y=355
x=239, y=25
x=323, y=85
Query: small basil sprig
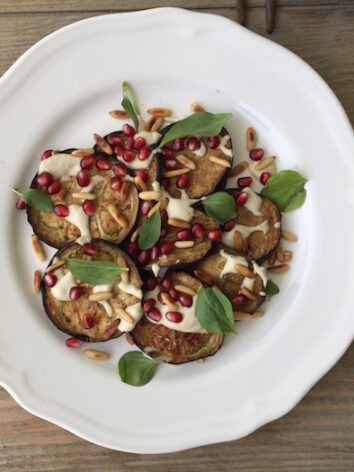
x=129, y=104
x=286, y=189
x=214, y=311
x=94, y=272
x=198, y=124
x=150, y=231
x=35, y=199
x=271, y=289
x=220, y=206
x=136, y=369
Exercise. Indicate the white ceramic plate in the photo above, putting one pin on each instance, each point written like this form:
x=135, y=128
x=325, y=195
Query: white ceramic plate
x=55, y=96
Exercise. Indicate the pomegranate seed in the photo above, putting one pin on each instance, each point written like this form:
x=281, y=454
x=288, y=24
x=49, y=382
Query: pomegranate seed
x=20, y=204
x=54, y=187
x=160, y=299
x=87, y=321
x=75, y=293
x=240, y=299
x=116, y=183
x=114, y=139
x=133, y=249
x=166, y=247
x=139, y=143
x=229, y=225
x=163, y=232
x=184, y=235
x=213, y=142
x=166, y=151
x=173, y=294
x=142, y=174
x=89, y=249
x=244, y=182
x=145, y=207
x=129, y=144
x=148, y=305
x=185, y=299
x=193, y=143
x=150, y=283
x=154, y=253
x=265, y=177
x=170, y=163
x=50, y=280
x=61, y=210
x=215, y=234
x=165, y=182
x=103, y=164
x=165, y=284
x=198, y=230
x=242, y=198
x=177, y=144
x=128, y=130
x=256, y=154
x=118, y=150
x=164, y=216
x=120, y=170
x=174, y=316
x=83, y=178
x=73, y=342
x=44, y=179
x=89, y=207
x=46, y=154
x=144, y=257
x=182, y=181
x=129, y=156
x=87, y=162
x=144, y=153
x=155, y=314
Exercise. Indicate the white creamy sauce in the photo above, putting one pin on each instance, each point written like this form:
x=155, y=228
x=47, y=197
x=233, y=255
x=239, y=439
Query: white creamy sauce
x=95, y=179
x=262, y=293
x=105, y=303
x=131, y=289
x=222, y=146
x=277, y=225
x=65, y=282
x=78, y=217
x=231, y=261
x=261, y=271
x=228, y=239
x=61, y=166
x=180, y=208
x=155, y=269
x=254, y=202
x=151, y=137
x=201, y=151
x=257, y=173
x=248, y=283
x=136, y=312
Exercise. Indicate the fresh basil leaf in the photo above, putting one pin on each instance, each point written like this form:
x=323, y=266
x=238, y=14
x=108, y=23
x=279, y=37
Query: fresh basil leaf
x=214, y=311
x=150, y=231
x=271, y=289
x=136, y=369
x=220, y=206
x=129, y=104
x=35, y=199
x=199, y=124
x=94, y=272
x=286, y=189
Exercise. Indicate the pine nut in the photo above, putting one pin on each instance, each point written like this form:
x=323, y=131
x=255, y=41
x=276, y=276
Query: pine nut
x=37, y=281
x=37, y=248
x=238, y=241
x=279, y=269
x=154, y=209
x=184, y=289
x=249, y=294
x=163, y=203
x=168, y=300
x=119, y=311
x=242, y=315
x=101, y=296
x=129, y=339
x=245, y=246
x=266, y=162
x=200, y=361
x=149, y=195
x=258, y=314
x=272, y=259
x=124, y=192
x=140, y=183
x=55, y=266
x=96, y=355
x=280, y=253
x=218, y=160
x=150, y=123
x=159, y=111
x=185, y=161
x=157, y=124
x=110, y=330
x=289, y=236
x=245, y=271
x=122, y=263
x=238, y=169
x=184, y=244
x=195, y=107
x=119, y=114
x=250, y=138
x=134, y=235
x=288, y=255
x=102, y=144
x=84, y=195
x=203, y=276
x=176, y=172
x=117, y=215
x=178, y=223
x=83, y=152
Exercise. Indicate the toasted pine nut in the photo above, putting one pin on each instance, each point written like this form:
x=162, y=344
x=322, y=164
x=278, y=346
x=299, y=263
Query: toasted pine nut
x=200, y=361
x=185, y=161
x=258, y=314
x=37, y=281
x=119, y=311
x=168, y=300
x=149, y=195
x=154, y=209
x=38, y=248
x=85, y=285
x=203, y=276
x=122, y=263
x=250, y=138
x=84, y=195
x=140, y=183
x=288, y=255
x=280, y=253
x=163, y=203
x=150, y=123
x=54, y=266
x=278, y=269
x=119, y=114
x=83, y=152
x=238, y=241
x=157, y=124
x=272, y=259
x=124, y=191
x=249, y=294
x=129, y=339
x=289, y=236
x=265, y=162
x=176, y=172
x=159, y=111
x=102, y=144
x=238, y=169
x=218, y=160
x=117, y=215
x=245, y=271
x=245, y=246
x=134, y=235
x=242, y=315
x=110, y=330
x=184, y=289
x=178, y=223
x=195, y=107
x=184, y=244
x=96, y=355
x=100, y=296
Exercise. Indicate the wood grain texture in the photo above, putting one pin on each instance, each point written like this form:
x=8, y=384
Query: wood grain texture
x=318, y=434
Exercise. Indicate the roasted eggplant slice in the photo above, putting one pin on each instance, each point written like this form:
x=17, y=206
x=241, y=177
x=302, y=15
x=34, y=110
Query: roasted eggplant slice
x=206, y=162
x=180, y=338
x=223, y=270
x=80, y=317
x=104, y=206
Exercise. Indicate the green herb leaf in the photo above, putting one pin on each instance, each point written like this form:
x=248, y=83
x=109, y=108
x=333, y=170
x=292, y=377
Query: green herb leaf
x=150, y=231
x=199, y=124
x=136, y=369
x=220, y=206
x=286, y=189
x=129, y=104
x=214, y=311
x=94, y=272
x=271, y=289
x=35, y=199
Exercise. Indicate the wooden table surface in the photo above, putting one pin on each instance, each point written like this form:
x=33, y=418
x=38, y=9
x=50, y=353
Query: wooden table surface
x=318, y=435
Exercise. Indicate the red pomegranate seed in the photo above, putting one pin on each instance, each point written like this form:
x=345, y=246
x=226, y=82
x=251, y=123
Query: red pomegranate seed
x=265, y=176
x=170, y=163
x=164, y=216
x=89, y=249
x=155, y=314
x=103, y=164
x=177, y=144
x=256, y=154
x=129, y=144
x=244, y=182
x=83, y=178
x=165, y=284
x=184, y=235
x=166, y=151
x=114, y=139
x=116, y=183
x=87, y=162
x=128, y=130
x=50, y=280
x=139, y=143
x=163, y=232
x=61, y=210
x=20, y=204
x=118, y=150
x=129, y=156
x=173, y=294
x=150, y=283
x=240, y=299
x=73, y=342
x=242, y=198
x=166, y=247
x=154, y=253
x=213, y=142
x=148, y=305
x=193, y=143
x=144, y=257
x=165, y=182
x=89, y=207
x=120, y=170
x=229, y=225
x=198, y=230
x=87, y=321
x=46, y=154
x=44, y=179
x=185, y=299
x=144, y=153
x=75, y=293
x=145, y=207
x=133, y=248
x=215, y=234
x=182, y=181
x=174, y=316
x=54, y=187
x=142, y=174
